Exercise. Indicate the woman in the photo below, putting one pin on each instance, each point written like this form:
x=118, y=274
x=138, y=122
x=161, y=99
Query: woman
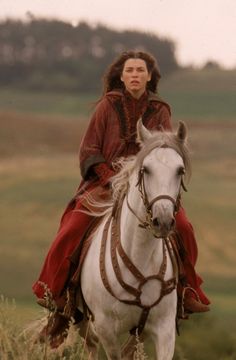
x=130, y=89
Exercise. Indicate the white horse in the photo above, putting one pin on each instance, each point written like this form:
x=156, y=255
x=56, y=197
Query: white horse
x=129, y=276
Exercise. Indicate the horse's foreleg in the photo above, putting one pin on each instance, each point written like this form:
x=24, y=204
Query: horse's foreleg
x=109, y=341
x=164, y=339
x=91, y=340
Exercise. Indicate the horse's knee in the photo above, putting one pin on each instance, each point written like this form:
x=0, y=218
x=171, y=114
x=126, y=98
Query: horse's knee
x=87, y=332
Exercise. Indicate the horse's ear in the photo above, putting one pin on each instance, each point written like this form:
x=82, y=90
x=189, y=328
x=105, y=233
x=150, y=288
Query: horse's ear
x=182, y=132
x=143, y=134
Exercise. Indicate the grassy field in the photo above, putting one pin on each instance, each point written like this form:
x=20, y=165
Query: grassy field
x=39, y=173
x=192, y=95
x=201, y=95
x=46, y=103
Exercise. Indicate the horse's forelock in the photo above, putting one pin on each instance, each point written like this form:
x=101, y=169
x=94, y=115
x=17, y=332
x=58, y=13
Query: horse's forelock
x=165, y=139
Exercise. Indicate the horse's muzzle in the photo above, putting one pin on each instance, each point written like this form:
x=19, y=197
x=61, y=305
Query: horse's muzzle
x=163, y=227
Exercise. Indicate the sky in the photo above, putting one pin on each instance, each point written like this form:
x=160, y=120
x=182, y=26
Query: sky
x=203, y=30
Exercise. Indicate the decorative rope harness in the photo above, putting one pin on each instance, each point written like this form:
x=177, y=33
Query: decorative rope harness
x=167, y=286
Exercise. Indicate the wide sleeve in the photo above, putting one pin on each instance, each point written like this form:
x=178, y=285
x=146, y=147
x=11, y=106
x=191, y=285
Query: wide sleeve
x=90, y=151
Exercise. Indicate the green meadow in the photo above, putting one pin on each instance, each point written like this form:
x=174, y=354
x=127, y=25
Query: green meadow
x=39, y=173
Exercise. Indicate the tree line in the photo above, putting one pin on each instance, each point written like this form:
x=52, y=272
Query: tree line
x=42, y=54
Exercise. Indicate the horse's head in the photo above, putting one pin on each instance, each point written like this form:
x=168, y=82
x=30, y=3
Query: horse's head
x=162, y=163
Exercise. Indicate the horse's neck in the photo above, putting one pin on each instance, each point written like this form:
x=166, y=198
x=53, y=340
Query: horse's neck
x=138, y=243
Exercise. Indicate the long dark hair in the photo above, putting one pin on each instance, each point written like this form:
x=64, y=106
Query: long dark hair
x=112, y=79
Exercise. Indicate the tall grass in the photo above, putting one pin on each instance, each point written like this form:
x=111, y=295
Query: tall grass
x=18, y=343
x=21, y=342
x=209, y=338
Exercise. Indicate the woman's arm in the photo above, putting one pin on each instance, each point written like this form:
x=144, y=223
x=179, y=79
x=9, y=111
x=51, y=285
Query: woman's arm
x=90, y=152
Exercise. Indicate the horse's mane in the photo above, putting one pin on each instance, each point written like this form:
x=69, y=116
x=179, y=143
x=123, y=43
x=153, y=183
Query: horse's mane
x=126, y=166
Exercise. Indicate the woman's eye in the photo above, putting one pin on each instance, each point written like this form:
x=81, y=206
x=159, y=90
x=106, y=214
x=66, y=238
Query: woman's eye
x=129, y=70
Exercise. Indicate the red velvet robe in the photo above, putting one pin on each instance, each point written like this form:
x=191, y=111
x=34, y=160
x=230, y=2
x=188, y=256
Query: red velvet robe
x=111, y=134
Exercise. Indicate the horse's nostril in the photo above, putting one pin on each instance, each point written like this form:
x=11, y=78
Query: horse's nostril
x=155, y=222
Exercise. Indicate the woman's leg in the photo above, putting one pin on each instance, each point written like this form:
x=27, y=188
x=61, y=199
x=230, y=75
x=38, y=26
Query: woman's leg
x=56, y=267
x=186, y=232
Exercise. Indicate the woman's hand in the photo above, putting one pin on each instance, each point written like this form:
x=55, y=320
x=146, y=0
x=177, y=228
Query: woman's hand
x=104, y=173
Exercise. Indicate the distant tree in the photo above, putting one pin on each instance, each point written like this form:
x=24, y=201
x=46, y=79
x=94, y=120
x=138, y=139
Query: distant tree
x=211, y=64
x=52, y=54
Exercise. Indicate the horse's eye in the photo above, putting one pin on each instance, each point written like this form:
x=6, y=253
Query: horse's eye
x=145, y=170
x=181, y=171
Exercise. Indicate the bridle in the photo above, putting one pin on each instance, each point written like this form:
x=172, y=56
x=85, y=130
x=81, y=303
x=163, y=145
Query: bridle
x=148, y=222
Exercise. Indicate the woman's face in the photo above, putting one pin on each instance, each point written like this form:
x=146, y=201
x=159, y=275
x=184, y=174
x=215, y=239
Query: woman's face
x=135, y=76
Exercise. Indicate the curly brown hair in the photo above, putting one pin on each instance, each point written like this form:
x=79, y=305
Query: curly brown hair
x=112, y=79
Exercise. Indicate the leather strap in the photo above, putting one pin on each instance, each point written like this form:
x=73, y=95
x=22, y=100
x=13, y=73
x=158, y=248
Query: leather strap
x=161, y=197
x=102, y=258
